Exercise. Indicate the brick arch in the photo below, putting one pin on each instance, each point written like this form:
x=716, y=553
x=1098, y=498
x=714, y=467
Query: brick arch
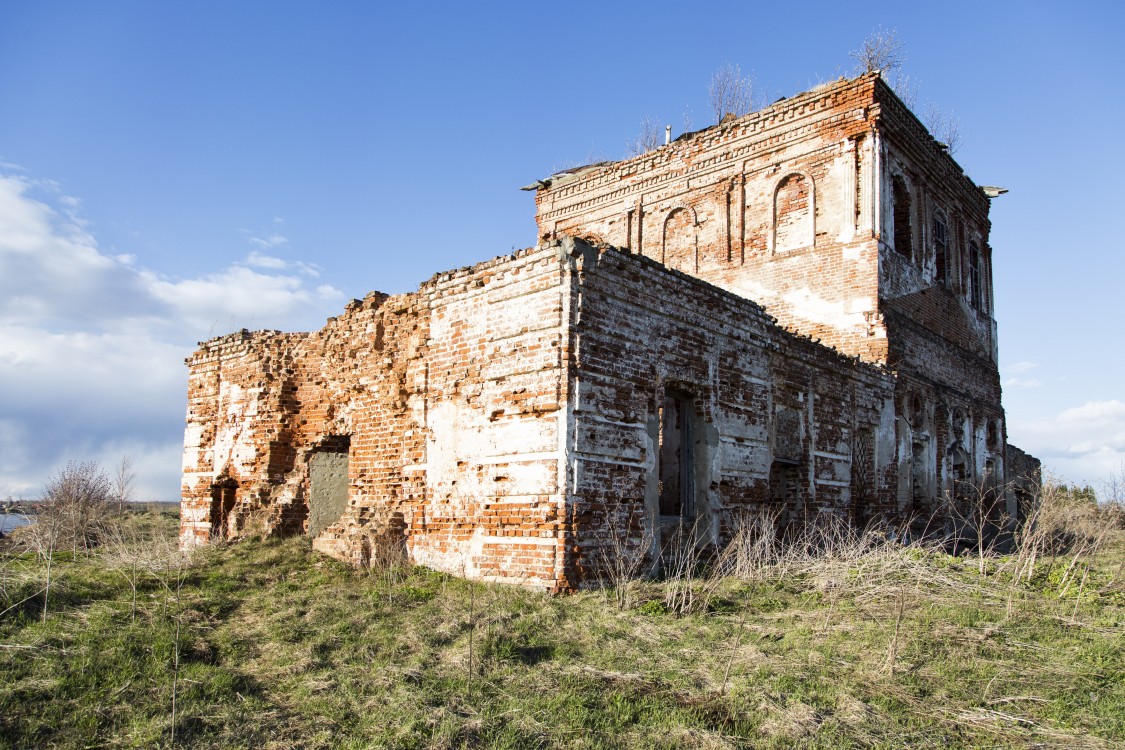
x=592, y=238
x=678, y=246
x=793, y=221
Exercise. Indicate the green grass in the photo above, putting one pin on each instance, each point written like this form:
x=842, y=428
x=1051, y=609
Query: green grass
x=280, y=647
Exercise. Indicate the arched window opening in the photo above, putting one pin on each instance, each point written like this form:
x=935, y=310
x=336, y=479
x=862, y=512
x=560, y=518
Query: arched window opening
x=986, y=279
x=992, y=435
x=916, y=411
x=793, y=214
x=679, y=241
x=941, y=249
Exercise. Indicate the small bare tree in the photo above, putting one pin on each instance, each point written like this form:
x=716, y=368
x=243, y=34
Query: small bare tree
x=622, y=555
x=647, y=139
x=943, y=126
x=882, y=50
x=71, y=513
x=730, y=93
x=124, y=483
x=79, y=495
x=43, y=538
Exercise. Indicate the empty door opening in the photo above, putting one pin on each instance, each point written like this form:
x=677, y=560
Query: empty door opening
x=224, y=496
x=677, y=457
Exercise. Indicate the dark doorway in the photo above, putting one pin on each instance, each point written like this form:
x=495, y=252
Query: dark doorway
x=677, y=459
x=863, y=475
x=224, y=496
x=785, y=492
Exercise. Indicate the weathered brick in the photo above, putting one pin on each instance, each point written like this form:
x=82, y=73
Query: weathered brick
x=761, y=342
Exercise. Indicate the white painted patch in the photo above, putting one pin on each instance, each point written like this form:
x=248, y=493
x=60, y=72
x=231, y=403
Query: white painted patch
x=807, y=304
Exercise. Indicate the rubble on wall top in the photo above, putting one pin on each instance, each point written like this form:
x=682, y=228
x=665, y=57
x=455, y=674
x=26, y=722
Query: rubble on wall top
x=566, y=175
x=243, y=334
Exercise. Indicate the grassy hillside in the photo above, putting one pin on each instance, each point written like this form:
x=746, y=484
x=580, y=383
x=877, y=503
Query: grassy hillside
x=265, y=644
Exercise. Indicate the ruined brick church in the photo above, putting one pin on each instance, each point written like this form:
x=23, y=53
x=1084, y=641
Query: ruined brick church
x=790, y=310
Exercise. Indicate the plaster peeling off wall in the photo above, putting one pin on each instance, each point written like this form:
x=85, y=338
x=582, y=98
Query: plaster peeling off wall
x=453, y=435
x=492, y=414
x=234, y=450
x=841, y=314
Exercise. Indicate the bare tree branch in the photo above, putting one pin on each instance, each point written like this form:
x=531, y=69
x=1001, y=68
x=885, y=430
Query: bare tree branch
x=905, y=88
x=882, y=50
x=647, y=139
x=943, y=126
x=730, y=93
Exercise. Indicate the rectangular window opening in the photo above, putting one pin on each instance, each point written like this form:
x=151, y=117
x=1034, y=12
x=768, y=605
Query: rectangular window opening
x=974, y=276
x=941, y=250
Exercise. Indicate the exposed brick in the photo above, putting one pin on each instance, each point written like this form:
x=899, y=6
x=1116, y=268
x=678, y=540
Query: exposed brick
x=758, y=343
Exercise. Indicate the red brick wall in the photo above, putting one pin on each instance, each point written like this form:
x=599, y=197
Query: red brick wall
x=449, y=398
x=642, y=331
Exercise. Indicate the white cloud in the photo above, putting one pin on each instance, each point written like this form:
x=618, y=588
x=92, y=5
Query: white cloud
x=1020, y=367
x=258, y=260
x=1023, y=383
x=1083, y=444
x=269, y=238
x=92, y=344
x=272, y=240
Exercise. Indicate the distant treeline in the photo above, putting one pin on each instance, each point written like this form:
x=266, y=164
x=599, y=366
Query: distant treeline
x=31, y=507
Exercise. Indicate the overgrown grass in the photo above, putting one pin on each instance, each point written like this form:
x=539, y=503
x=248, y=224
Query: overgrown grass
x=279, y=647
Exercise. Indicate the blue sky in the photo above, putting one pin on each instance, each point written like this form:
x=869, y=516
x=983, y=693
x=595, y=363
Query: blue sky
x=173, y=171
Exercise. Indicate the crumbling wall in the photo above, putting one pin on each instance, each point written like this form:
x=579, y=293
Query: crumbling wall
x=238, y=404
x=492, y=414
x=442, y=406
x=760, y=394
x=521, y=419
